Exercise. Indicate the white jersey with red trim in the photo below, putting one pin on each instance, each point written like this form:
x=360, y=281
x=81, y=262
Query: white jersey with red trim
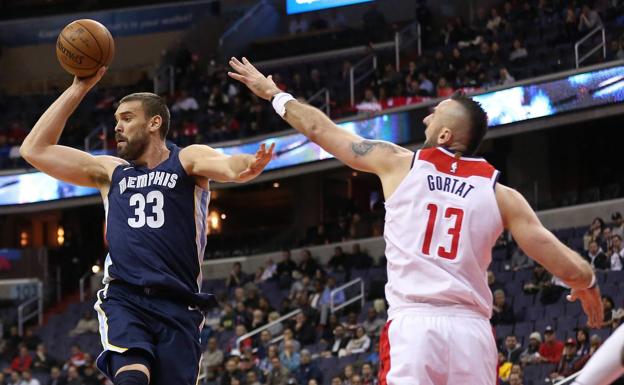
x=441, y=224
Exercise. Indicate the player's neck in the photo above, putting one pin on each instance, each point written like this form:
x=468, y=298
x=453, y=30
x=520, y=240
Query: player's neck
x=155, y=154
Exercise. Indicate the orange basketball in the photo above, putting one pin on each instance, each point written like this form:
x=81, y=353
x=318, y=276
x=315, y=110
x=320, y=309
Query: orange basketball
x=84, y=46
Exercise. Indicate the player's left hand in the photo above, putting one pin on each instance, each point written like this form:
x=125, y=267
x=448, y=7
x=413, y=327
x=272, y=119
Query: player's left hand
x=592, y=305
x=264, y=87
x=257, y=163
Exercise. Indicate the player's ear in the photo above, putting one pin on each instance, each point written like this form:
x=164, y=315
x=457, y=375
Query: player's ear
x=445, y=136
x=155, y=123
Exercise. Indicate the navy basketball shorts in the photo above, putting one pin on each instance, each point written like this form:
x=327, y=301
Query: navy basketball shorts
x=168, y=331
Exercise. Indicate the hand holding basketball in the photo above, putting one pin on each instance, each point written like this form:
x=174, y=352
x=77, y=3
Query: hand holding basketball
x=84, y=46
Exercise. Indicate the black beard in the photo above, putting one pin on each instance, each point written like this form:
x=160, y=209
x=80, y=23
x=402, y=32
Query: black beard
x=134, y=149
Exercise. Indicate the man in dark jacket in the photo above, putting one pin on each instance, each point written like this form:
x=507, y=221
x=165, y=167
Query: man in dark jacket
x=596, y=257
x=307, y=369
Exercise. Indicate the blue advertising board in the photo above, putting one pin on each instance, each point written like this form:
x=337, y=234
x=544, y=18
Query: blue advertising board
x=120, y=22
x=300, y=6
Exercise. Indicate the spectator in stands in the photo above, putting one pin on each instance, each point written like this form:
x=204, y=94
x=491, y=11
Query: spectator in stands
x=609, y=310
x=90, y=376
x=370, y=104
x=494, y=22
x=373, y=324
x=337, y=380
x=519, y=51
x=42, y=362
x=593, y=233
x=360, y=259
x=308, y=370
x=338, y=261
x=289, y=357
x=270, y=269
x=239, y=331
x=531, y=354
x=347, y=374
x=596, y=257
x=298, y=25
x=520, y=261
x=493, y=284
x=227, y=317
x=231, y=371
x=540, y=278
x=289, y=335
x=617, y=253
x=359, y=344
x=607, y=242
x=551, y=349
x=242, y=315
x=502, y=311
x=15, y=379
x=185, y=103
x=308, y=265
x=23, y=361
x=278, y=374
x=12, y=341
x=73, y=377
x=236, y=277
x=368, y=375
x=252, y=378
x=56, y=377
x=515, y=379
x=327, y=298
x=504, y=76
x=303, y=302
x=212, y=359
x=512, y=349
x=425, y=85
x=303, y=330
x=582, y=341
x=30, y=339
x=589, y=19
x=565, y=367
x=443, y=89
x=265, y=365
x=337, y=343
x=87, y=324
x=618, y=225
x=285, y=269
x=277, y=328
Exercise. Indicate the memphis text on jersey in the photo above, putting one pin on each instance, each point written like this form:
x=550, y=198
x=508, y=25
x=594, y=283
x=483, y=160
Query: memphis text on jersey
x=158, y=178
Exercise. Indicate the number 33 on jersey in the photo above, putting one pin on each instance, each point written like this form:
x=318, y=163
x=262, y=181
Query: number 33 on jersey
x=156, y=225
x=440, y=224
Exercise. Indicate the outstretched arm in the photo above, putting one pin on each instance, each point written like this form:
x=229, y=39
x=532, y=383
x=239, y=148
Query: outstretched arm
x=541, y=245
x=202, y=160
x=373, y=156
x=42, y=151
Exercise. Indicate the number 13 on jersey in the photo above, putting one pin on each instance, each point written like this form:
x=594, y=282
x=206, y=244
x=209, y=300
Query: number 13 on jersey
x=454, y=231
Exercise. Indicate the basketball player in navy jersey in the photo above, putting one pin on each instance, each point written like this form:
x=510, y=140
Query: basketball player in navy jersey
x=156, y=200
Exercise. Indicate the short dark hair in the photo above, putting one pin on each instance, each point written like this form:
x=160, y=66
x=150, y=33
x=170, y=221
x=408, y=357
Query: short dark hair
x=152, y=105
x=478, y=120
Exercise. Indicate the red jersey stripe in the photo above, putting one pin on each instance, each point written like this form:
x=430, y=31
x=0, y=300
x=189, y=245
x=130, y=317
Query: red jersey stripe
x=462, y=168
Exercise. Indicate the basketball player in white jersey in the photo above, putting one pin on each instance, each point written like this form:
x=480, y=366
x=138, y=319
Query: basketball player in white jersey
x=444, y=212
x=607, y=364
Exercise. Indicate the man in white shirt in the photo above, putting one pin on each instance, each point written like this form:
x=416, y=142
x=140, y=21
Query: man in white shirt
x=27, y=379
x=618, y=224
x=617, y=253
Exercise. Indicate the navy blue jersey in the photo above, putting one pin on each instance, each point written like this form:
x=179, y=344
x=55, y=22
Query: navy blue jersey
x=156, y=226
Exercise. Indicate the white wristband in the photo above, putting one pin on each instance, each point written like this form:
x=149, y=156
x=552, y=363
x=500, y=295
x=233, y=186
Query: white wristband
x=279, y=102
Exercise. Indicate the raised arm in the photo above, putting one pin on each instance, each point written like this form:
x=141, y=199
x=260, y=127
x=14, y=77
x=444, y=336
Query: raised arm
x=204, y=161
x=42, y=151
x=373, y=156
x=542, y=246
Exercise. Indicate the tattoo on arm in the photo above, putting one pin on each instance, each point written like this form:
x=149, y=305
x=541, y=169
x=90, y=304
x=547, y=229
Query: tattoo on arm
x=364, y=147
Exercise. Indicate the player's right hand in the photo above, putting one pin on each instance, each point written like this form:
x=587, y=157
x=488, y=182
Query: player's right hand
x=85, y=84
x=592, y=305
x=264, y=87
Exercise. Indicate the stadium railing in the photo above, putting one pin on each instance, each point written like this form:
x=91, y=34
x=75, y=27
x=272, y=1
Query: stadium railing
x=267, y=326
x=31, y=308
x=602, y=44
x=359, y=297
